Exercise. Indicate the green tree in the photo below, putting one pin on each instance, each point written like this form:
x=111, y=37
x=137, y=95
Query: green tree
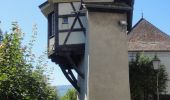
x=143, y=78
x=20, y=77
x=70, y=95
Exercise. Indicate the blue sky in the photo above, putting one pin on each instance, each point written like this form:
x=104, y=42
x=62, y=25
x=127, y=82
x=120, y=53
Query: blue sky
x=27, y=13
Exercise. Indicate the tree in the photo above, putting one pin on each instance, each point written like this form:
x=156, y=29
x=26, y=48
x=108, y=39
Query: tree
x=20, y=77
x=70, y=95
x=143, y=78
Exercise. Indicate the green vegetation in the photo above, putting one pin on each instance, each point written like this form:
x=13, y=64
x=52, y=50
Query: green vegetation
x=143, y=78
x=21, y=76
x=70, y=95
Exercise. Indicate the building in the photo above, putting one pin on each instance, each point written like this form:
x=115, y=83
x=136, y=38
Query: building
x=89, y=36
x=145, y=37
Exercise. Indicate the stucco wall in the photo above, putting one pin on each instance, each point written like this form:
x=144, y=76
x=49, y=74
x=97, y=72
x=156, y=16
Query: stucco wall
x=108, y=57
x=165, y=60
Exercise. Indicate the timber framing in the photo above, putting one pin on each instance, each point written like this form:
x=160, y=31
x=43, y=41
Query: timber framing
x=74, y=30
x=71, y=15
x=68, y=56
x=74, y=22
x=70, y=77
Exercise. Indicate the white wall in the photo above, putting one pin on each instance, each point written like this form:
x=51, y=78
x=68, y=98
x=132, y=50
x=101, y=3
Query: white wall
x=70, y=22
x=77, y=37
x=74, y=38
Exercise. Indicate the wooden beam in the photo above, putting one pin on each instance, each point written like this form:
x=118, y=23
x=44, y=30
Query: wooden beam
x=74, y=66
x=72, y=26
x=70, y=79
x=74, y=30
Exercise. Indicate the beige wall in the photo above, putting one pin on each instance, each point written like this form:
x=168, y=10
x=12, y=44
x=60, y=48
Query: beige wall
x=108, y=57
x=165, y=60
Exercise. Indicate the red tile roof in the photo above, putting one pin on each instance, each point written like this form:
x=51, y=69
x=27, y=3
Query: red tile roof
x=144, y=36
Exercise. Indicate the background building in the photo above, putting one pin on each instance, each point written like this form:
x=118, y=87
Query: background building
x=145, y=37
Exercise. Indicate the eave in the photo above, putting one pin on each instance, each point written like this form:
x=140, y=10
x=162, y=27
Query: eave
x=63, y=1
x=46, y=8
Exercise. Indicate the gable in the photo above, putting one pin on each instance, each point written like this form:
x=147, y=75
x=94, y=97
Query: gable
x=144, y=36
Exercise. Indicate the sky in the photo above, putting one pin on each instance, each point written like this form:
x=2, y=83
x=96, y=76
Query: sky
x=27, y=13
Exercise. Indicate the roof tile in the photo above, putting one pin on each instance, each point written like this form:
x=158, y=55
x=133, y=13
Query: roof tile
x=144, y=36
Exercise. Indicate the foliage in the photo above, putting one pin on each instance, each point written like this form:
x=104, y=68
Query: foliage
x=70, y=95
x=143, y=78
x=20, y=77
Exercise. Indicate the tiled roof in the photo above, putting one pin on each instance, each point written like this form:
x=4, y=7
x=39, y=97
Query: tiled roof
x=144, y=36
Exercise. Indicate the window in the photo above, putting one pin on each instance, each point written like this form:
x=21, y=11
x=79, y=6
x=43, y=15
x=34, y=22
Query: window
x=65, y=20
x=51, y=24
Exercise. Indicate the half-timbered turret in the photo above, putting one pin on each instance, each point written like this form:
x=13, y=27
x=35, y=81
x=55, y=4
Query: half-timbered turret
x=66, y=34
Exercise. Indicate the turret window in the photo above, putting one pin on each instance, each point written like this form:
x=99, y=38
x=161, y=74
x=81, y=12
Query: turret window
x=51, y=19
x=65, y=20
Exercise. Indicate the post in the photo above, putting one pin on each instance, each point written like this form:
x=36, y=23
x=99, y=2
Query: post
x=157, y=84
x=156, y=65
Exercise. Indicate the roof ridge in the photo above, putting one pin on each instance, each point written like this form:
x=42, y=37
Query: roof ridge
x=130, y=33
x=163, y=33
x=135, y=25
x=141, y=37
